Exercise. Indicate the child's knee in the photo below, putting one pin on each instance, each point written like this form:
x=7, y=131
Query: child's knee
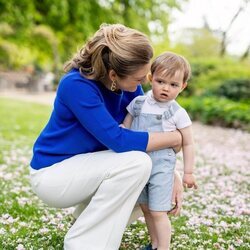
x=157, y=215
x=145, y=209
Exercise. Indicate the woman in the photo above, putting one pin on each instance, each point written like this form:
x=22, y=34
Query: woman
x=83, y=157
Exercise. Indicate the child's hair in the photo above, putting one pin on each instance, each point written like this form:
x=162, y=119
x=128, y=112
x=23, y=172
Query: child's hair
x=168, y=63
x=113, y=46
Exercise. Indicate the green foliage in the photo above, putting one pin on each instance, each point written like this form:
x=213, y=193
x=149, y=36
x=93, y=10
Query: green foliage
x=18, y=14
x=200, y=67
x=208, y=75
x=6, y=29
x=218, y=111
x=52, y=13
x=47, y=33
x=59, y=27
x=235, y=89
x=9, y=54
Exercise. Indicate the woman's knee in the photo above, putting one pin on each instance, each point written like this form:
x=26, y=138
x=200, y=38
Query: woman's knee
x=143, y=163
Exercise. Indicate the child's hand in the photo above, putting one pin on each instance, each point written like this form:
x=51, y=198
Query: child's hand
x=189, y=181
x=122, y=125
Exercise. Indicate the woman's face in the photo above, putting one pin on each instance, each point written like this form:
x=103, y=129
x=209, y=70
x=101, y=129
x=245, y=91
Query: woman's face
x=131, y=82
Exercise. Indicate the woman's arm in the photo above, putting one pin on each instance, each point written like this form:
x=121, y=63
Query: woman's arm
x=161, y=140
x=158, y=140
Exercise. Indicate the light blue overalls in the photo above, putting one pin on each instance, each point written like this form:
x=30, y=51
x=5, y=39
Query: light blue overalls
x=158, y=191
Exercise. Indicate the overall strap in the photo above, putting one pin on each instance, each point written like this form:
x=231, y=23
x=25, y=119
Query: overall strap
x=171, y=110
x=138, y=104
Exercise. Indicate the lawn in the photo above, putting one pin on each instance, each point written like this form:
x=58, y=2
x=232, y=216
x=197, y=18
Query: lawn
x=214, y=217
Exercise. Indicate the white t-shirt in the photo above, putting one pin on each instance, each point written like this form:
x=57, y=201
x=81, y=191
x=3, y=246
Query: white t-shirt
x=179, y=120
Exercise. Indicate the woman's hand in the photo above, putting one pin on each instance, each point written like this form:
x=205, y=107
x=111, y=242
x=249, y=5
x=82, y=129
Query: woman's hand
x=177, y=195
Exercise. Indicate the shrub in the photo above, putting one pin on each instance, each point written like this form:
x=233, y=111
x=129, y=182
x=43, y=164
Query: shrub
x=199, y=68
x=218, y=111
x=207, y=79
x=235, y=89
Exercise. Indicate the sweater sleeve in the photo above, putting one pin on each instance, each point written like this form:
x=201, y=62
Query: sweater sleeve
x=86, y=103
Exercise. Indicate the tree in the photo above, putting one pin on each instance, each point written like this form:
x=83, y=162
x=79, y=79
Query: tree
x=149, y=16
x=223, y=34
x=245, y=54
x=71, y=22
x=197, y=42
x=50, y=42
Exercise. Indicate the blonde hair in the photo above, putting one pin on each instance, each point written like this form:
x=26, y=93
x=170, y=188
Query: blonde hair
x=168, y=63
x=113, y=46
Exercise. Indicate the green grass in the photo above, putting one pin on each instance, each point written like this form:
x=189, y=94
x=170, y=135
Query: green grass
x=21, y=121
x=213, y=217
x=24, y=219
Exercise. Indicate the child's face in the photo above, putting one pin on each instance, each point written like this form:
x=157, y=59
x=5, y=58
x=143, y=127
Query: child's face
x=167, y=88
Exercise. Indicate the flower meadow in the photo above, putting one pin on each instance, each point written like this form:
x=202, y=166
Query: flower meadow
x=216, y=216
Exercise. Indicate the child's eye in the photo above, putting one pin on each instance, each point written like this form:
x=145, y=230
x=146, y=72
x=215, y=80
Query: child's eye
x=175, y=85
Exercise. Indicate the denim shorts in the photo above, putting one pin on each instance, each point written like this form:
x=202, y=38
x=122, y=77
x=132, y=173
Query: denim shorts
x=157, y=193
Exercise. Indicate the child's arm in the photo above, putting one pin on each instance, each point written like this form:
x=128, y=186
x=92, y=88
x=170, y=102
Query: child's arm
x=188, y=157
x=127, y=121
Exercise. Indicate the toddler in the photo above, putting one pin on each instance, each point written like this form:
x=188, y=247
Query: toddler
x=159, y=111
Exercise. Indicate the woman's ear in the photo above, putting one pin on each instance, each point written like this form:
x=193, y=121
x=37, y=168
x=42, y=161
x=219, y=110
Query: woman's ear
x=112, y=75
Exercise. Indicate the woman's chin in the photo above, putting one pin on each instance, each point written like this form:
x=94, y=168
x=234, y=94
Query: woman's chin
x=131, y=89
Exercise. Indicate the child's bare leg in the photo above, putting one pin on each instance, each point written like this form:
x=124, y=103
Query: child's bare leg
x=150, y=225
x=162, y=228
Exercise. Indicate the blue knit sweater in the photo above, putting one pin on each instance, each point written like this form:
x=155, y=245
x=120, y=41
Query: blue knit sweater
x=86, y=118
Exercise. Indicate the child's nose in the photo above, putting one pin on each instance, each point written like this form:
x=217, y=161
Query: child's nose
x=166, y=86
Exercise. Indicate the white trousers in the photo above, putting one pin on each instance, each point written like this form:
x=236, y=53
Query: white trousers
x=104, y=187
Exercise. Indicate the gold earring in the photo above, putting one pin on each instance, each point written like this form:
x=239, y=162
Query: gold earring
x=113, y=86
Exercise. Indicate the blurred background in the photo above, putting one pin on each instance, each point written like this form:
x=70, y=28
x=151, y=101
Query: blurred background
x=37, y=37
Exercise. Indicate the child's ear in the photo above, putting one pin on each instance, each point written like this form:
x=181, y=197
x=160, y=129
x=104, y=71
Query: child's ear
x=184, y=85
x=149, y=77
